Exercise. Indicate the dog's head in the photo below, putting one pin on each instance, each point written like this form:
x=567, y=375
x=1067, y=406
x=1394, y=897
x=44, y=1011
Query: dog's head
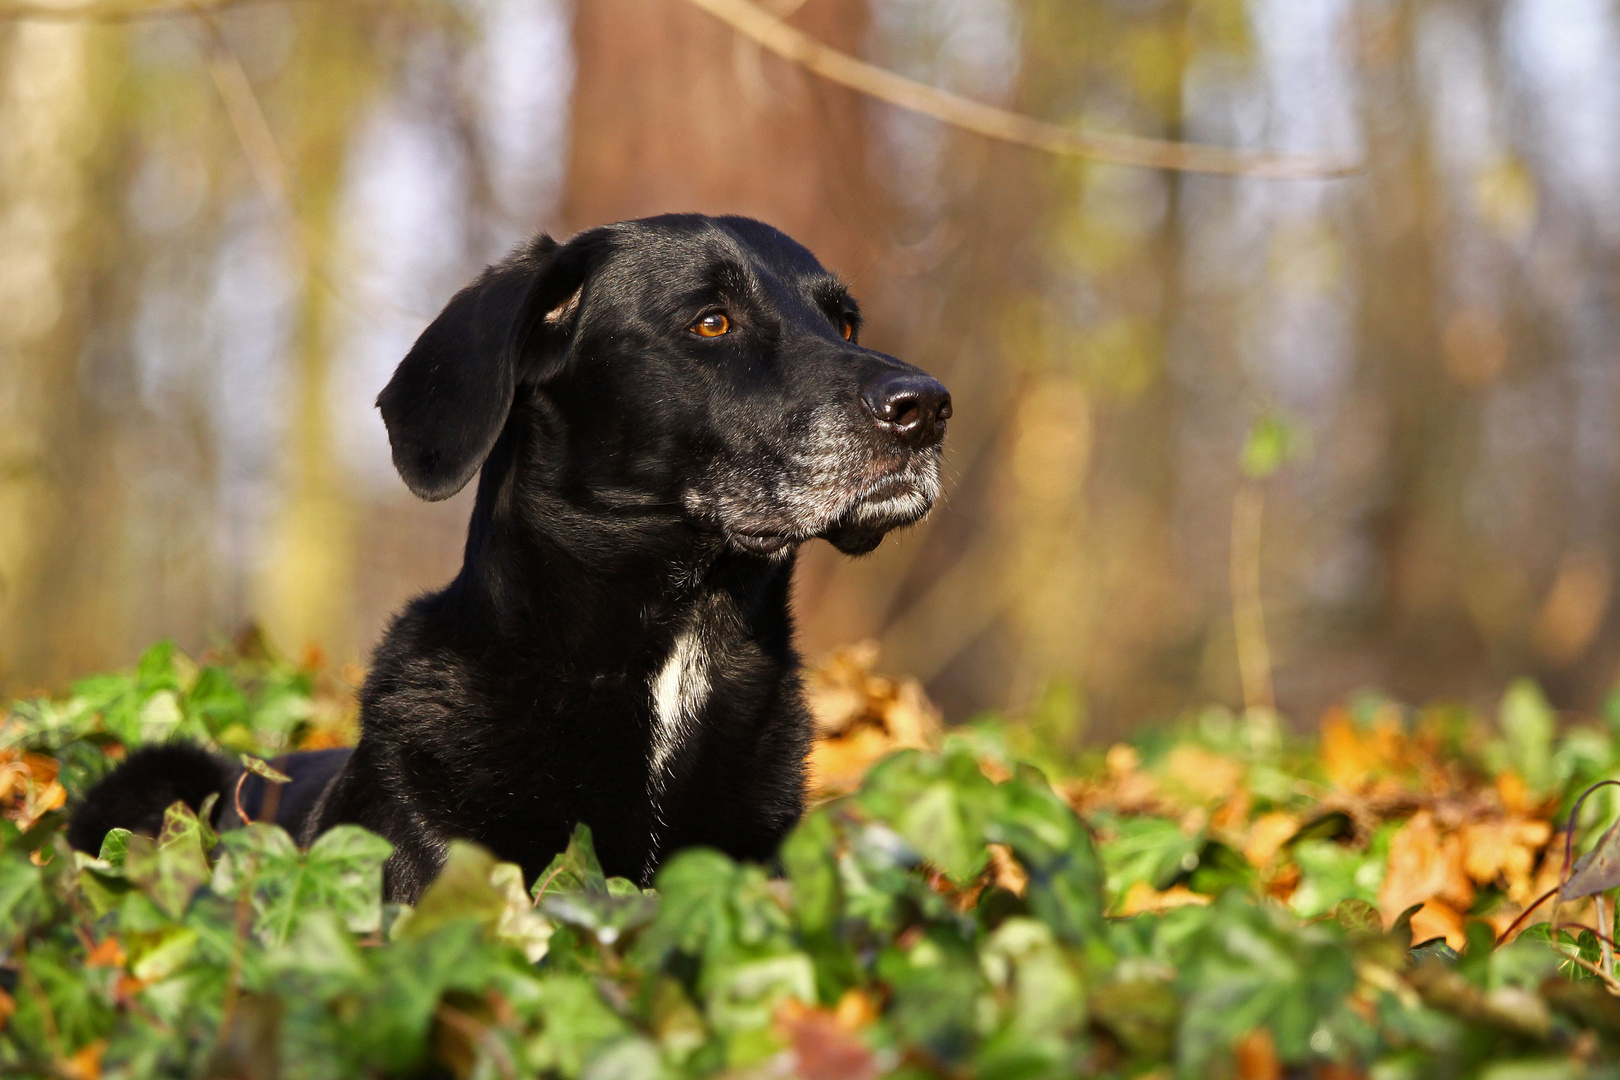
x=708, y=367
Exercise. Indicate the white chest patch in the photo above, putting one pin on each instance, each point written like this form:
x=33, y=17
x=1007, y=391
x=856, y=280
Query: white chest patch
x=679, y=690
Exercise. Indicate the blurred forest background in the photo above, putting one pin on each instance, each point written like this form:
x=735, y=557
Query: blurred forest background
x=218, y=234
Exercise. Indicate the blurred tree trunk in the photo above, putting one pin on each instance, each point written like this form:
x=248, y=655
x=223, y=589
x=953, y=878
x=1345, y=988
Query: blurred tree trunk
x=61, y=496
x=1422, y=627
x=1056, y=350
x=673, y=111
x=306, y=591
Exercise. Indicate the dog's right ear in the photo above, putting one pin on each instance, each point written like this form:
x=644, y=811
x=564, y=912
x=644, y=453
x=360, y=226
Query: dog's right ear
x=450, y=396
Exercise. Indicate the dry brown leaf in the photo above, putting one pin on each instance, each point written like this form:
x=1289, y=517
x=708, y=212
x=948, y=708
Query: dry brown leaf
x=39, y=801
x=1125, y=788
x=1009, y=873
x=1122, y=760
x=1142, y=897
x=1514, y=793
x=326, y=739
x=1352, y=757
x=1546, y=879
x=910, y=717
x=28, y=781
x=1435, y=919
x=1231, y=814
x=1424, y=864
x=861, y=717
x=86, y=1064
x=1255, y=1056
x=13, y=774
x=42, y=767
x=856, y=1010
x=822, y=1048
x=1503, y=918
x=1505, y=849
x=1267, y=836
x=837, y=765
x=837, y=687
x=107, y=953
x=835, y=708
x=1342, y=754
x=1280, y=885
x=1206, y=774
x=127, y=986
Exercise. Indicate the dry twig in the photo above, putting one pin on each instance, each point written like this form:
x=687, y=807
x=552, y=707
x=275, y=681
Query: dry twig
x=110, y=10
x=797, y=47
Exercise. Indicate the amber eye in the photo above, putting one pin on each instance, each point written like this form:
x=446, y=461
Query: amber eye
x=849, y=329
x=712, y=325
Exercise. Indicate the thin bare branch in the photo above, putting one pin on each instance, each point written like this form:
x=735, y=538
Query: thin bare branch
x=247, y=118
x=770, y=32
x=1608, y=981
x=1248, y=613
x=1507, y=935
x=110, y=10
x=800, y=48
x=264, y=160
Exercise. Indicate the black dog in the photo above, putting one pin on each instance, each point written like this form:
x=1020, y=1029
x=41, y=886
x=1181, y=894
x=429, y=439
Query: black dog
x=663, y=411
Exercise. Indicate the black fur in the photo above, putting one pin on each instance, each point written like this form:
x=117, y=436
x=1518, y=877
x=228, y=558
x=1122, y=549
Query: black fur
x=135, y=795
x=617, y=648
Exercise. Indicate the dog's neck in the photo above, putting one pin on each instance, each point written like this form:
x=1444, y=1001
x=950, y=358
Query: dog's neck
x=577, y=580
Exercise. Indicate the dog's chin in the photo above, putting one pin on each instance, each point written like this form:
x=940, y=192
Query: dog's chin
x=864, y=526
x=858, y=527
x=855, y=539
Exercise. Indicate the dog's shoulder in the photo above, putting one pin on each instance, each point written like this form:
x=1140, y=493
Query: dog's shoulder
x=425, y=666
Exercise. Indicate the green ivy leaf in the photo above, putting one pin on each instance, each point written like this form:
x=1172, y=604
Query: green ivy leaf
x=579, y=1026
x=1529, y=723
x=341, y=872
x=575, y=869
x=214, y=702
x=261, y=767
x=938, y=803
x=173, y=867
x=114, y=846
x=473, y=887
x=23, y=897
x=808, y=859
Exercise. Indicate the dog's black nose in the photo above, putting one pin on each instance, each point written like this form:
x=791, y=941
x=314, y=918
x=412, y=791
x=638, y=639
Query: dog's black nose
x=909, y=404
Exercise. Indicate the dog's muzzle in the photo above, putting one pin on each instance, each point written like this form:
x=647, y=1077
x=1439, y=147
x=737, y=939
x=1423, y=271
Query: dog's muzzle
x=910, y=410
x=865, y=469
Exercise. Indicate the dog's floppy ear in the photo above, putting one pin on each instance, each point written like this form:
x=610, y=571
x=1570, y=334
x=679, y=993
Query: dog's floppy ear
x=450, y=396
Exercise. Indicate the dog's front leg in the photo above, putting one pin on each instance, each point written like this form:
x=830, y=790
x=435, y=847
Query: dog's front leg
x=411, y=868
x=359, y=797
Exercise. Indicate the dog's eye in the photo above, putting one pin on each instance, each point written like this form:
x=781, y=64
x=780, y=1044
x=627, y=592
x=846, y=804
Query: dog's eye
x=849, y=329
x=712, y=325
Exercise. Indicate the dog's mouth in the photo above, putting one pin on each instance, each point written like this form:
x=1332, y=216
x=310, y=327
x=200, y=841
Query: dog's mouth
x=763, y=544
x=853, y=511
x=860, y=524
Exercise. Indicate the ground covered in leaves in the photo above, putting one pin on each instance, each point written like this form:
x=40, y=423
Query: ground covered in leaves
x=1400, y=896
